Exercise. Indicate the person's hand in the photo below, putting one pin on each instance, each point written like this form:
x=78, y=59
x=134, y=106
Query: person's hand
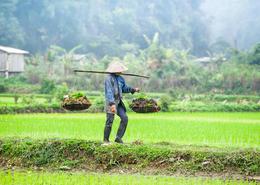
x=113, y=108
x=137, y=90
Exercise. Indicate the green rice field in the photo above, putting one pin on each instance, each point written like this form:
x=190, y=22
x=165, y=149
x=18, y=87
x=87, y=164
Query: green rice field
x=207, y=129
x=80, y=178
x=225, y=130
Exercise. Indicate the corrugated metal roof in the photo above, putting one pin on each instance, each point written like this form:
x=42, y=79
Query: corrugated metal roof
x=209, y=59
x=10, y=50
x=203, y=59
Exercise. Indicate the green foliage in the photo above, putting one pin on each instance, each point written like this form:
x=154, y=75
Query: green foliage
x=49, y=99
x=148, y=46
x=254, y=56
x=18, y=84
x=35, y=95
x=31, y=107
x=61, y=90
x=98, y=105
x=165, y=102
x=171, y=70
x=47, y=87
x=28, y=100
x=77, y=95
x=237, y=98
x=86, y=154
x=181, y=103
x=66, y=57
x=174, y=93
x=190, y=106
x=11, y=31
x=219, y=47
x=2, y=88
x=115, y=31
x=142, y=96
x=16, y=98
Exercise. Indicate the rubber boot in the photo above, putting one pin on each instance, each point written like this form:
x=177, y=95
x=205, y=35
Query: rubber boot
x=108, y=126
x=107, y=132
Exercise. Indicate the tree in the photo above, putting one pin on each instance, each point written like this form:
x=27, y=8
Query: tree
x=10, y=30
x=66, y=57
x=102, y=27
x=254, y=56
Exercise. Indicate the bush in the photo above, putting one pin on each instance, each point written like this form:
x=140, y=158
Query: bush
x=98, y=105
x=3, y=88
x=49, y=99
x=16, y=98
x=165, y=103
x=176, y=93
x=28, y=99
x=47, y=86
x=254, y=57
x=60, y=91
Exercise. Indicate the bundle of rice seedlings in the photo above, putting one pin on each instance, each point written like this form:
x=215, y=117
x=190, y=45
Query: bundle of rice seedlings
x=144, y=105
x=76, y=101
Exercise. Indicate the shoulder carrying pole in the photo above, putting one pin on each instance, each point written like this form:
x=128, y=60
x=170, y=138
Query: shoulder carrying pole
x=103, y=72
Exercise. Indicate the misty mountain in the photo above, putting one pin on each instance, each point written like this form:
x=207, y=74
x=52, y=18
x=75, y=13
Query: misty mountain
x=114, y=27
x=235, y=21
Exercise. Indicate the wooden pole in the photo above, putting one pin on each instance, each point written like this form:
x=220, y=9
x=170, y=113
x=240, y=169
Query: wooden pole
x=103, y=72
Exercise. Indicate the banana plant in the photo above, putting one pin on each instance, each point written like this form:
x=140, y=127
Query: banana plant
x=66, y=57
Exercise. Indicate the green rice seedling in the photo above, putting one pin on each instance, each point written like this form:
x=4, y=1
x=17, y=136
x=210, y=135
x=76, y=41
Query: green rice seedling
x=81, y=178
x=210, y=129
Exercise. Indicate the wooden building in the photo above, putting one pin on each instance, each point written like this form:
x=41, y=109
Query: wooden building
x=11, y=61
x=210, y=63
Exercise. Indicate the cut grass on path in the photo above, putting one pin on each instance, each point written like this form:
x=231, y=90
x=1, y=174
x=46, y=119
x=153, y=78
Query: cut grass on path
x=80, y=178
x=208, y=129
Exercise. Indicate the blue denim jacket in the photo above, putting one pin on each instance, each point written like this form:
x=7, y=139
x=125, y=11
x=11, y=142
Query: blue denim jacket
x=114, y=87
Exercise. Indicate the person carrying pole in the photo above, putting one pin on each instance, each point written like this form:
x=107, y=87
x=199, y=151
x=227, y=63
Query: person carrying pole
x=115, y=85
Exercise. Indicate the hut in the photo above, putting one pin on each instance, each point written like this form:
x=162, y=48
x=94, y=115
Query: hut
x=210, y=63
x=11, y=61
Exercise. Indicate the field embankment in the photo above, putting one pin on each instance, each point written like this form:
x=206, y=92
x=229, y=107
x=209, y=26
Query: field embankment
x=133, y=158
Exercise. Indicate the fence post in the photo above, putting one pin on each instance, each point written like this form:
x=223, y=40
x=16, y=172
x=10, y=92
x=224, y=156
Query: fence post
x=7, y=67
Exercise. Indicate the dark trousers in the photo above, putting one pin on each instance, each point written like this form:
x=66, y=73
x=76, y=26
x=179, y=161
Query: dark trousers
x=121, y=112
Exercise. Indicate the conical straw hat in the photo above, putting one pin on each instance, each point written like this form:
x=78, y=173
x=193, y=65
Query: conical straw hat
x=116, y=67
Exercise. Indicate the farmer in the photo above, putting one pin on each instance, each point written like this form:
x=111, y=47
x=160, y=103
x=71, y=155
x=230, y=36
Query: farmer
x=114, y=87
